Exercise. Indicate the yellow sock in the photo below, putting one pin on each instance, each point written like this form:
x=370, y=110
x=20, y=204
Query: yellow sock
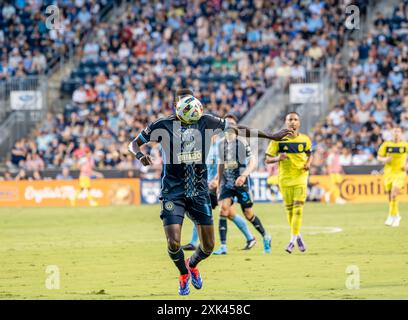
x=336, y=192
x=289, y=213
x=296, y=219
x=393, y=207
x=91, y=200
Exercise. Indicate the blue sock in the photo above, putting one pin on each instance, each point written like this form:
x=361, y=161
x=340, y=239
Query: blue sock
x=242, y=225
x=194, y=236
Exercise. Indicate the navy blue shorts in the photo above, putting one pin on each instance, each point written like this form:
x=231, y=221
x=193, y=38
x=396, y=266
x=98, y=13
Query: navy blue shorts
x=242, y=194
x=213, y=198
x=198, y=210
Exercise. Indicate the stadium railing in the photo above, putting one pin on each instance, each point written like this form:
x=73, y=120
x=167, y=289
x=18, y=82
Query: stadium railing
x=15, y=124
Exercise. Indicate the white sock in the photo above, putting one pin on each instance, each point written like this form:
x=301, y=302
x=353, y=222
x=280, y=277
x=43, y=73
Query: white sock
x=293, y=238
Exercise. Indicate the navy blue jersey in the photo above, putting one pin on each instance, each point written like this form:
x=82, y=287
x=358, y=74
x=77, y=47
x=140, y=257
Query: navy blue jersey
x=184, y=151
x=234, y=154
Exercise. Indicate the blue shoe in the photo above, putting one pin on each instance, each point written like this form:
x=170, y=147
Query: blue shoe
x=267, y=243
x=184, y=288
x=221, y=250
x=196, y=279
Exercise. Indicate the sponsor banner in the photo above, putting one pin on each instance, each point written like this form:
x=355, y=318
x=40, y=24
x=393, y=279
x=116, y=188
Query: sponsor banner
x=59, y=193
x=358, y=188
x=26, y=100
x=305, y=93
x=259, y=187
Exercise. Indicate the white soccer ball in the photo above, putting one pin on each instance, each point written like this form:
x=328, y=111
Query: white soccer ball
x=189, y=109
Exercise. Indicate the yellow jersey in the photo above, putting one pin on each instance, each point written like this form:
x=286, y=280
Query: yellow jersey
x=398, y=152
x=291, y=170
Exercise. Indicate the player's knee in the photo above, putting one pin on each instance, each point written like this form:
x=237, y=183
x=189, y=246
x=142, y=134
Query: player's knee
x=224, y=213
x=208, y=246
x=225, y=210
x=248, y=213
x=231, y=215
x=173, y=244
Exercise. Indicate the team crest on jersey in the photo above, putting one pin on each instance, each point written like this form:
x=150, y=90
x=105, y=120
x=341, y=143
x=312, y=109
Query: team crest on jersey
x=169, y=205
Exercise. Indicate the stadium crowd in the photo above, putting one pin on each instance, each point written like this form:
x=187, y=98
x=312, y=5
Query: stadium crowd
x=28, y=45
x=228, y=52
x=375, y=95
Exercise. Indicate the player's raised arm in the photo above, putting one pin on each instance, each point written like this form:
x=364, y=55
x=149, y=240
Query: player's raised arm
x=249, y=132
x=214, y=122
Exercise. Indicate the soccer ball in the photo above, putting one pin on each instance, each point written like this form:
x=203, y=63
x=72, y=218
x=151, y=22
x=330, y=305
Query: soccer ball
x=189, y=109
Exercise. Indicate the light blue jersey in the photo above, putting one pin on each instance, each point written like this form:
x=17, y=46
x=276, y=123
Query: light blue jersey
x=212, y=161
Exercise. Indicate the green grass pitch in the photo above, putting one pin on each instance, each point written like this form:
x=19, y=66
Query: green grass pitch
x=120, y=253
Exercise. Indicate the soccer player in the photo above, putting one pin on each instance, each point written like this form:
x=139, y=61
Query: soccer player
x=212, y=167
x=86, y=165
x=235, y=165
x=294, y=157
x=184, y=184
x=212, y=188
x=393, y=154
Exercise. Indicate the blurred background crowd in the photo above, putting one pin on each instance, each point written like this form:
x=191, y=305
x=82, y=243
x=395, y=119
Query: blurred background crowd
x=227, y=52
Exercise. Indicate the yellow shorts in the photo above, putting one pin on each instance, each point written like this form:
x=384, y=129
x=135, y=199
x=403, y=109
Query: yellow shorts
x=394, y=181
x=335, y=178
x=84, y=182
x=294, y=193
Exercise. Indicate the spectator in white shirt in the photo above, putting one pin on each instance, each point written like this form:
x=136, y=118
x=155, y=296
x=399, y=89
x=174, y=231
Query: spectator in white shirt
x=79, y=95
x=337, y=115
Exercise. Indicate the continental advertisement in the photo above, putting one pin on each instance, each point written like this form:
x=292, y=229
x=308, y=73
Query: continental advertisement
x=102, y=192
x=357, y=188
x=110, y=192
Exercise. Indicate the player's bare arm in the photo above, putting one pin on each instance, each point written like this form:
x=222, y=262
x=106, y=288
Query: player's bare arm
x=250, y=132
x=308, y=162
x=384, y=160
x=280, y=157
x=245, y=174
x=213, y=184
x=134, y=148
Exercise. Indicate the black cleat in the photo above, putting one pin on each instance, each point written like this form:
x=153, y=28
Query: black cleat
x=249, y=244
x=189, y=247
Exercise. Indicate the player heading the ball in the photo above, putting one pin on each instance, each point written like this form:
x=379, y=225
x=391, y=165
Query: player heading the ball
x=184, y=184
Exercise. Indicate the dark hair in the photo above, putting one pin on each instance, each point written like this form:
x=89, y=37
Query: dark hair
x=292, y=112
x=231, y=116
x=184, y=92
